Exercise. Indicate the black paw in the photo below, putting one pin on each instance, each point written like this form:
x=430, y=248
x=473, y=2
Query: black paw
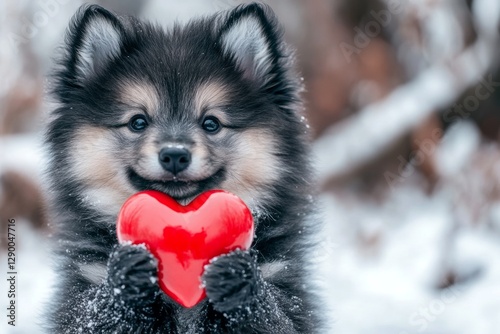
x=132, y=275
x=232, y=281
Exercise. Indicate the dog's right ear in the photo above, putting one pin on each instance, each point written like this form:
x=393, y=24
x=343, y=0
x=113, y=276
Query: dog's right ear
x=95, y=38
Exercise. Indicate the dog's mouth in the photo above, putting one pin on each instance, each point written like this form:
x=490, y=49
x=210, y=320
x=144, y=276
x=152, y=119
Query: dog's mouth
x=178, y=189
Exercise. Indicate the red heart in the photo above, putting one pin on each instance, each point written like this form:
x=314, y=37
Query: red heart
x=185, y=238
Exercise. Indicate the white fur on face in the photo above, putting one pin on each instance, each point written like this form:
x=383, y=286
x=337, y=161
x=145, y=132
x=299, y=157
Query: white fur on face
x=200, y=167
x=101, y=42
x=149, y=165
x=248, y=44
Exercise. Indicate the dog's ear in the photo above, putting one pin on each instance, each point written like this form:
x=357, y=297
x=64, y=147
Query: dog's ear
x=95, y=38
x=249, y=34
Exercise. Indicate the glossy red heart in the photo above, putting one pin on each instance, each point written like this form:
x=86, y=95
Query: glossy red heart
x=185, y=238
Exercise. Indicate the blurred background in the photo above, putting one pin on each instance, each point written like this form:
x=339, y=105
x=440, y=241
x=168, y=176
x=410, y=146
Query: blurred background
x=403, y=100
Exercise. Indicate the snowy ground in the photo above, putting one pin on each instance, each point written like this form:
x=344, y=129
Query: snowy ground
x=394, y=290
x=34, y=280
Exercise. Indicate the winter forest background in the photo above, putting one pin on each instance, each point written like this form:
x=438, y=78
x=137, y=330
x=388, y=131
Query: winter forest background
x=403, y=99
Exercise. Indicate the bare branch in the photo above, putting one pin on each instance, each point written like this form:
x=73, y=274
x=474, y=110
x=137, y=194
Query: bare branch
x=359, y=139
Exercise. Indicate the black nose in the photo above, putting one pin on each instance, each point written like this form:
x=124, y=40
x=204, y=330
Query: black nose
x=174, y=159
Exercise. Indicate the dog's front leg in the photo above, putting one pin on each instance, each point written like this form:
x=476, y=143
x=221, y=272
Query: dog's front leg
x=127, y=301
x=236, y=289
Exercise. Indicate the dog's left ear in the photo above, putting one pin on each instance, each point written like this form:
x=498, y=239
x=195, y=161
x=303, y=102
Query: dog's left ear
x=250, y=35
x=95, y=38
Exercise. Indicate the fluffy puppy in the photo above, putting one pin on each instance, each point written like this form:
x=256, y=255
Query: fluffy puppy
x=213, y=104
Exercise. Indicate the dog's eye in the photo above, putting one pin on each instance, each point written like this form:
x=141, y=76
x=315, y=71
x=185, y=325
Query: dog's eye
x=138, y=123
x=211, y=124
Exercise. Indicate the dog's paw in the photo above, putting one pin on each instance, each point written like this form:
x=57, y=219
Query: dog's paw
x=132, y=275
x=232, y=281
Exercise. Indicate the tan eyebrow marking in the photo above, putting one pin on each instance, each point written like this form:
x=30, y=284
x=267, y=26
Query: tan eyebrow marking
x=210, y=96
x=140, y=95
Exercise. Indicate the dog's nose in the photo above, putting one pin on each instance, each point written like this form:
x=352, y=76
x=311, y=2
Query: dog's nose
x=174, y=159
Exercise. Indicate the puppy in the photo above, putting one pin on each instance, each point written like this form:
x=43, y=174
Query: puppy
x=210, y=105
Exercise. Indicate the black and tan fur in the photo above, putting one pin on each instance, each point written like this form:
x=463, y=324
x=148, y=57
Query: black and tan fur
x=232, y=66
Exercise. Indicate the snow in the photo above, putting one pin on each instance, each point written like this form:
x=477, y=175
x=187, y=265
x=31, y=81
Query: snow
x=23, y=153
x=461, y=141
x=434, y=88
x=34, y=280
x=394, y=291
